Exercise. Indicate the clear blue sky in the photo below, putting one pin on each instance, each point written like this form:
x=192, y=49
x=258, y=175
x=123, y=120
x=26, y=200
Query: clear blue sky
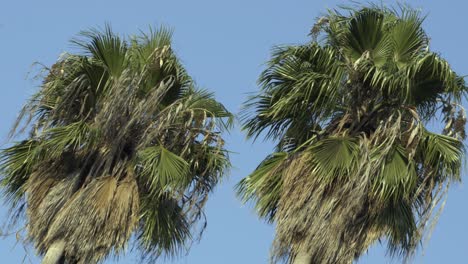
x=223, y=44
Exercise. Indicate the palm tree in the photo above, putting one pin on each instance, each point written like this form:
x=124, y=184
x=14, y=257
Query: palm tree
x=355, y=161
x=122, y=145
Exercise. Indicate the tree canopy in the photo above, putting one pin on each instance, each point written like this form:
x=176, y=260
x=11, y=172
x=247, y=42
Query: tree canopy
x=122, y=144
x=355, y=161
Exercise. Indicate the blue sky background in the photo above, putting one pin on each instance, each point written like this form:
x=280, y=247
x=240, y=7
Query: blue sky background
x=223, y=44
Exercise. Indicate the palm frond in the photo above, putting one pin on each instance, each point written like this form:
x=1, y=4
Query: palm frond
x=162, y=169
x=264, y=185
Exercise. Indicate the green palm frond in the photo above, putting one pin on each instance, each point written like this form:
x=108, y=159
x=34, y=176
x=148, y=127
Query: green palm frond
x=399, y=223
x=397, y=178
x=164, y=228
x=408, y=37
x=324, y=157
x=442, y=153
x=72, y=137
x=364, y=33
x=16, y=164
x=299, y=80
x=106, y=47
x=264, y=185
x=162, y=168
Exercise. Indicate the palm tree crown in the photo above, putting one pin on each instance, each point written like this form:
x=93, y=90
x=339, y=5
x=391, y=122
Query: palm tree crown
x=355, y=161
x=122, y=143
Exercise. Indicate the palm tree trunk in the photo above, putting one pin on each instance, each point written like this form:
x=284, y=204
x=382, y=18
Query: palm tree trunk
x=302, y=258
x=54, y=253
